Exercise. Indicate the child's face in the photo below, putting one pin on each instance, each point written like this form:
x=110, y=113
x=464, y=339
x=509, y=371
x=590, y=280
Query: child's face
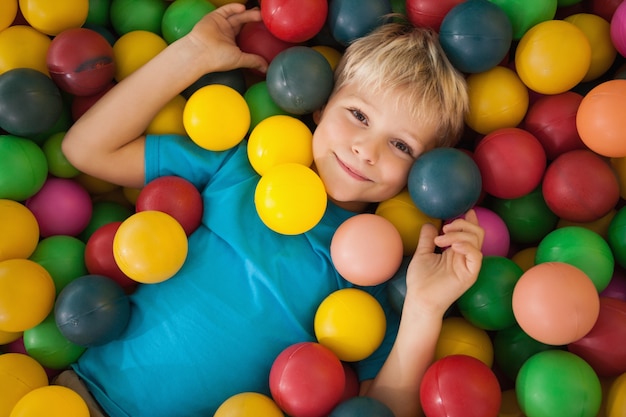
x=364, y=146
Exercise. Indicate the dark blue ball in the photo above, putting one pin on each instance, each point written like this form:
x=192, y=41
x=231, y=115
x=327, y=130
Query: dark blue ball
x=444, y=183
x=476, y=35
x=352, y=19
x=361, y=407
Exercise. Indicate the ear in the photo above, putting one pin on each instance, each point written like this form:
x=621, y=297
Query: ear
x=317, y=115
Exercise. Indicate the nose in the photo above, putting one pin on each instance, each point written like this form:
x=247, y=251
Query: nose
x=366, y=148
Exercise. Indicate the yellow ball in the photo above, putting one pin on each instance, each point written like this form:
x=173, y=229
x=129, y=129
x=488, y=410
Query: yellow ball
x=598, y=33
x=351, y=323
x=279, y=140
x=51, y=401
x=619, y=167
x=20, y=231
x=26, y=294
x=331, y=54
x=525, y=258
x=497, y=99
x=216, y=117
x=53, y=17
x=553, y=57
x=616, y=398
x=8, y=12
x=23, y=47
x=509, y=406
x=600, y=226
x=19, y=375
x=290, y=199
x=133, y=49
x=402, y=212
x=150, y=246
x=459, y=337
x=8, y=337
x=169, y=120
x=249, y=404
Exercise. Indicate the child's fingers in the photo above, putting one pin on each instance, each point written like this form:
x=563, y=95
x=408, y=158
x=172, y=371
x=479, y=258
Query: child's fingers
x=426, y=242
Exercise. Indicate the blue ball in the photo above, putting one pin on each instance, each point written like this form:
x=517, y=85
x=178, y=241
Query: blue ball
x=92, y=310
x=352, y=19
x=361, y=407
x=476, y=35
x=444, y=183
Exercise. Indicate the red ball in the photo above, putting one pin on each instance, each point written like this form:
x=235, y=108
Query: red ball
x=99, y=258
x=429, y=13
x=552, y=120
x=307, y=380
x=598, y=347
x=603, y=8
x=580, y=186
x=254, y=38
x=294, y=20
x=460, y=386
x=352, y=386
x=80, y=61
x=511, y=162
x=80, y=104
x=175, y=196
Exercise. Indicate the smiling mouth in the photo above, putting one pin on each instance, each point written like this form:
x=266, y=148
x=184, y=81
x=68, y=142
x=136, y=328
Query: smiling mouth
x=351, y=172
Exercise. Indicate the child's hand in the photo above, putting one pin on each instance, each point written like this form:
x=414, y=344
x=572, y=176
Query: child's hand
x=214, y=35
x=436, y=280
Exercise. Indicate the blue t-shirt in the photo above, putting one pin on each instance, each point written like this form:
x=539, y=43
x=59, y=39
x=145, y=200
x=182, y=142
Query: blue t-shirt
x=244, y=294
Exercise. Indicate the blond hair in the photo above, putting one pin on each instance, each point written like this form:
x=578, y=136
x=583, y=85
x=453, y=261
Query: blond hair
x=403, y=59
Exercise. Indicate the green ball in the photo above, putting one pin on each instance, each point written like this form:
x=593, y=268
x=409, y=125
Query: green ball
x=49, y=347
x=488, y=304
x=58, y=165
x=512, y=347
x=24, y=168
x=581, y=247
x=525, y=14
x=130, y=15
x=181, y=16
x=104, y=212
x=63, y=257
x=98, y=13
x=261, y=104
x=558, y=383
x=617, y=236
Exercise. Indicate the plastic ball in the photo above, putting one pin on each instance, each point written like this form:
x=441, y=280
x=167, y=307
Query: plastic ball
x=617, y=285
x=476, y=35
x=444, y=182
x=351, y=19
x=332, y=55
x=497, y=239
x=80, y=61
x=92, y=310
x=617, y=30
x=53, y=18
x=353, y=386
x=49, y=347
x=599, y=121
x=539, y=57
x=99, y=258
x=150, y=246
x=617, y=238
x=366, y=249
x=598, y=347
x=351, y=323
x=255, y=38
x=525, y=15
x=525, y=258
x=512, y=347
x=234, y=79
x=132, y=15
x=26, y=294
x=248, y=404
x=497, y=98
x=175, y=196
x=51, y=401
x=19, y=374
x=216, y=117
x=169, y=120
x=25, y=167
x=181, y=16
x=8, y=12
x=361, y=407
x=552, y=120
x=556, y=382
x=290, y=199
x=22, y=46
x=307, y=380
x=278, y=140
x=30, y=102
x=460, y=337
x=460, y=385
x=488, y=302
x=555, y=303
x=396, y=286
x=134, y=49
x=62, y=207
x=616, y=398
x=511, y=162
x=294, y=20
x=261, y=104
x=63, y=257
x=581, y=248
x=580, y=186
x=429, y=13
x=598, y=32
x=58, y=165
x=20, y=231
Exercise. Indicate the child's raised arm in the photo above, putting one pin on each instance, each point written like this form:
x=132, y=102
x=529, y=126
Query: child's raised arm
x=107, y=142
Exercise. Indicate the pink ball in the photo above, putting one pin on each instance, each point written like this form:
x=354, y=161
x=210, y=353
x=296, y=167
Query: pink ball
x=617, y=285
x=618, y=28
x=555, y=303
x=366, y=249
x=497, y=240
x=61, y=207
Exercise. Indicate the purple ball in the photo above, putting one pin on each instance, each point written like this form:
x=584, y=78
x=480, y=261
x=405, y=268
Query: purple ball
x=617, y=285
x=497, y=240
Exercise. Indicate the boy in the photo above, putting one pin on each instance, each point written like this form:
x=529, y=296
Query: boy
x=245, y=293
